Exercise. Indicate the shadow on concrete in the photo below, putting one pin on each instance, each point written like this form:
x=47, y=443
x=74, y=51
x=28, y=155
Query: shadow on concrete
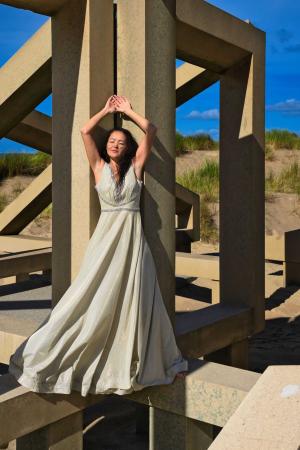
x=278, y=344
x=280, y=296
x=35, y=281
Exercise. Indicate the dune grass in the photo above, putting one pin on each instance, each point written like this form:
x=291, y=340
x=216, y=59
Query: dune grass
x=287, y=181
x=200, y=141
x=275, y=139
x=33, y=164
x=12, y=164
x=208, y=227
x=282, y=139
x=204, y=180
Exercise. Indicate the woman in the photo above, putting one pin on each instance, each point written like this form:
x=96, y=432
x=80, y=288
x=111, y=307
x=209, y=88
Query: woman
x=110, y=331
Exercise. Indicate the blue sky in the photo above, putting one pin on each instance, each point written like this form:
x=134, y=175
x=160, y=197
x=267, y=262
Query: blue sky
x=279, y=18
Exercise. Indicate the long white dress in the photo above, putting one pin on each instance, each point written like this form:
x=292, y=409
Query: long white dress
x=110, y=332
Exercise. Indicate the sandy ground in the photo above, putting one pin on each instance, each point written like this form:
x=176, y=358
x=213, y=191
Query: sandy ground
x=282, y=210
x=191, y=160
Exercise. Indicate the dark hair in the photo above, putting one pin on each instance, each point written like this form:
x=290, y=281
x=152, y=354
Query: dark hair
x=130, y=152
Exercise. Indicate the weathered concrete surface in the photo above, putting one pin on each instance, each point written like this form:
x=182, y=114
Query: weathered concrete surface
x=34, y=131
x=146, y=75
x=25, y=79
x=210, y=393
x=109, y=425
x=269, y=415
x=20, y=243
x=191, y=80
x=242, y=185
x=225, y=39
x=82, y=66
x=188, y=211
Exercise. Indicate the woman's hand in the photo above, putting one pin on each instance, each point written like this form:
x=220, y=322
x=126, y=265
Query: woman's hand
x=122, y=104
x=110, y=105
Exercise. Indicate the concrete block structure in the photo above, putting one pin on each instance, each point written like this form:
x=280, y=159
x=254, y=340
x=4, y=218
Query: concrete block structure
x=88, y=50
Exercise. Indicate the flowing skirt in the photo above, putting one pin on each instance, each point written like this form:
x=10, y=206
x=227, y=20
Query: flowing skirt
x=110, y=332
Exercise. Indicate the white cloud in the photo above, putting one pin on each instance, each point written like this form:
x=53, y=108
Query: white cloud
x=290, y=106
x=209, y=114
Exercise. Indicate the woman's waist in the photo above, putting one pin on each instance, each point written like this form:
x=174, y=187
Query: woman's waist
x=129, y=205
x=119, y=208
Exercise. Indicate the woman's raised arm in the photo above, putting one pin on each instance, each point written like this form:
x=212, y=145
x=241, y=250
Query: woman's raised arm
x=93, y=155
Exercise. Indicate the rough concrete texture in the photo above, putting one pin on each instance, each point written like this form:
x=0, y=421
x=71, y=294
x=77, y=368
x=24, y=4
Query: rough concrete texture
x=83, y=41
x=268, y=418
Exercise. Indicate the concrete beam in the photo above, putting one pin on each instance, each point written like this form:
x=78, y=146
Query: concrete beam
x=210, y=393
x=45, y=409
x=188, y=211
x=22, y=243
x=191, y=80
x=25, y=262
x=34, y=131
x=82, y=45
x=25, y=79
x=47, y=8
x=21, y=211
x=225, y=40
x=210, y=329
x=268, y=417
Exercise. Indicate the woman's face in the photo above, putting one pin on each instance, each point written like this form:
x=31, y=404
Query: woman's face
x=116, y=145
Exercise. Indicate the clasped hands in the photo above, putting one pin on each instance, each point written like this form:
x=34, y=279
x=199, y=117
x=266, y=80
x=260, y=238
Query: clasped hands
x=118, y=103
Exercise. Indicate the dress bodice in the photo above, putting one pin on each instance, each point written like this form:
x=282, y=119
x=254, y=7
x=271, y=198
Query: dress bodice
x=112, y=197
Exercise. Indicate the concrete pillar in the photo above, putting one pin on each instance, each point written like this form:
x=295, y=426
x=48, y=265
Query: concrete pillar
x=235, y=355
x=170, y=431
x=146, y=52
x=65, y=434
x=82, y=65
x=242, y=131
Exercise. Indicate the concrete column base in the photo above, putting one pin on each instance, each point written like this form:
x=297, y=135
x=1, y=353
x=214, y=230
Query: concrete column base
x=65, y=434
x=142, y=419
x=22, y=277
x=170, y=431
x=235, y=355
